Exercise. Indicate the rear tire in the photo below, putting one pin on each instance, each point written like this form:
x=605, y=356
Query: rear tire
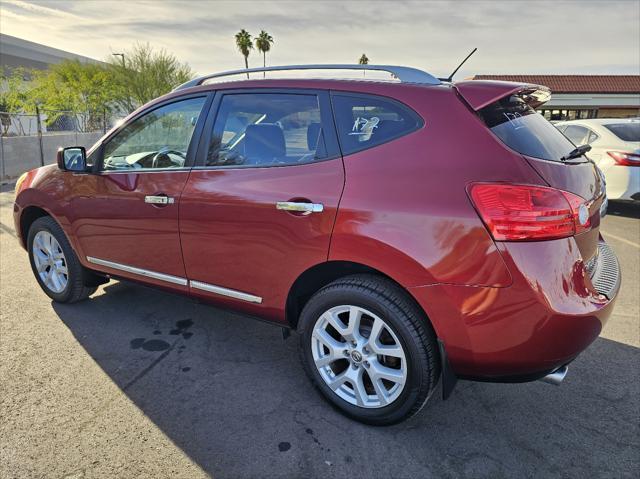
x=369, y=349
x=55, y=264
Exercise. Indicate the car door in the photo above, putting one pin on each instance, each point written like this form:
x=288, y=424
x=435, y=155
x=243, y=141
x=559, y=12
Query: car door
x=258, y=209
x=126, y=212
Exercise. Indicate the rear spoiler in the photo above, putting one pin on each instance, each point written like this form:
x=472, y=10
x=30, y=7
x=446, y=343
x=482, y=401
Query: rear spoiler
x=480, y=93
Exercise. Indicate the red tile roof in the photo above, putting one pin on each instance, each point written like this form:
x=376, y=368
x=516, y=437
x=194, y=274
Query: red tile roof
x=576, y=83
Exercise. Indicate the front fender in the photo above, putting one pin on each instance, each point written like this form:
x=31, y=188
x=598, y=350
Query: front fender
x=46, y=188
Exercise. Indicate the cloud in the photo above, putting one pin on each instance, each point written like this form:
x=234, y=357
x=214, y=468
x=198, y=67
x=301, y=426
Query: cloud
x=39, y=10
x=513, y=37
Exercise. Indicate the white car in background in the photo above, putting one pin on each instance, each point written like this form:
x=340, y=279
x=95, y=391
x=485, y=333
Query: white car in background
x=615, y=148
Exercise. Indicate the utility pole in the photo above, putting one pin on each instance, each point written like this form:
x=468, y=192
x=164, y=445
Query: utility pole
x=39, y=123
x=124, y=72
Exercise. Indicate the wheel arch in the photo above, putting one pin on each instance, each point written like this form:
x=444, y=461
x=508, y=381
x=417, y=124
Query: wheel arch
x=27, y=218
x=30, y=214
x=320, y=275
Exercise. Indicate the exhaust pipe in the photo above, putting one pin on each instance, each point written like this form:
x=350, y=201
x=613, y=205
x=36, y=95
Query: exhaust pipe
x=556, y=377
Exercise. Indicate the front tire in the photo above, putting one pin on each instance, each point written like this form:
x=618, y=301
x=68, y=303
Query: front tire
x=55, y=264
x=369, y=349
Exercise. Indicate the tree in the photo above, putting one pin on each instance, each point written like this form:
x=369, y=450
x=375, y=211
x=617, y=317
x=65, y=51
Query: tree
x=14, y=98
x=245, y=45
x=72, y=86
x=145, y=74
x=364, y=60
x=83, y=89
x=263, y=44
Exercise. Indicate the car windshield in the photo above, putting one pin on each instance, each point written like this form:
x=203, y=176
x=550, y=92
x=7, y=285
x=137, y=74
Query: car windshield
x=525, y=131
x=625, y=131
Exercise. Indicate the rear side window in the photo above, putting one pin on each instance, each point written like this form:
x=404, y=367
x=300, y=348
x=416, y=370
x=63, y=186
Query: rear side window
x=267, y=129
x=579, y=135
x=364, y=121
x=525, y=131
x=625, y=131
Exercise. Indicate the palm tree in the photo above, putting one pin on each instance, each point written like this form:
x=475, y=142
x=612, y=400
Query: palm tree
x=245, y=45
x=263, y=44
x=364, y=60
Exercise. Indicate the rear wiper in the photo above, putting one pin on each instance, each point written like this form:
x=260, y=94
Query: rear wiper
x=579, y=151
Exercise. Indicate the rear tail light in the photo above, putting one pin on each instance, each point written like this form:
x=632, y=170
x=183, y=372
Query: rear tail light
x=529, y=213
x=623, y=158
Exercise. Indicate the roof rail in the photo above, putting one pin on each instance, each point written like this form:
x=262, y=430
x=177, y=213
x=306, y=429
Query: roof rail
x=404, y=74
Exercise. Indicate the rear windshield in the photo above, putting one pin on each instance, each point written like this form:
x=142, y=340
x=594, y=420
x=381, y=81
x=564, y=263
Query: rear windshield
x=625, y=131
x=525, y=131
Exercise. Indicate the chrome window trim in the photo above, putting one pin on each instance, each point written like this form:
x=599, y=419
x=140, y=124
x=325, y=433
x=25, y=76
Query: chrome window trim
x=231, y=293
x=139, y=271
x=181, y=169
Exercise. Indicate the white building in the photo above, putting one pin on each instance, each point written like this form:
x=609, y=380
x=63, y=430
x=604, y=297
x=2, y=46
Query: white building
x=16, y=52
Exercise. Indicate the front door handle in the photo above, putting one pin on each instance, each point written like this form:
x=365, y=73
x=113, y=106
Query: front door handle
x=158, y=200
x=300, y=207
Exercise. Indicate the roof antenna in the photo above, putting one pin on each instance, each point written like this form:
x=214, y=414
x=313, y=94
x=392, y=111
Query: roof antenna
x=450, y=77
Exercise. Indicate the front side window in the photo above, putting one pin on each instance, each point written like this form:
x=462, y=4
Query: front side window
x=522, y=129
x=366, y=121
x=157, y=140
x=266, y=129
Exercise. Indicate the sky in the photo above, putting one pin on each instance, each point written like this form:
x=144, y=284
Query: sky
x=517, y=36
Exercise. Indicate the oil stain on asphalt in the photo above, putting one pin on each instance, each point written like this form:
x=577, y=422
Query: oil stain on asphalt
x=284, y=446
x=181, y=328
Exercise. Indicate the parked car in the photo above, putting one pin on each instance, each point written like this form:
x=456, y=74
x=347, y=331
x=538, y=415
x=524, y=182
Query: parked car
x=410, y=230
x=615, y=148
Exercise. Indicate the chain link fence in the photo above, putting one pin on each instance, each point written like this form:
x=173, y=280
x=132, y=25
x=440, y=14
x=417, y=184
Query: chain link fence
x=31, y=140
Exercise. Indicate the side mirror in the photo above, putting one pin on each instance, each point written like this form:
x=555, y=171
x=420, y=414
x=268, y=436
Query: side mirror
x=72, y=159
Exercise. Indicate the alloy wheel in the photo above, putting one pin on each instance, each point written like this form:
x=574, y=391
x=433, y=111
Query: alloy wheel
x=50, y=261
x=358, y=356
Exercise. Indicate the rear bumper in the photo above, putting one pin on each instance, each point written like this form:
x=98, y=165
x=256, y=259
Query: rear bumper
x=550, y=314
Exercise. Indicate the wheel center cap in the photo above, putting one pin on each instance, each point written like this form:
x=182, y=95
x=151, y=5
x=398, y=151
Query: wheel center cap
x=356, y=357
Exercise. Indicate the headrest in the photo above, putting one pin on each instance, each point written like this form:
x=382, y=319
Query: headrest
x=264, y=141
x=313, y=134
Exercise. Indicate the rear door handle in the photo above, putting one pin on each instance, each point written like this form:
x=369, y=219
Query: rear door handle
x=158, y=200
x=300, y=207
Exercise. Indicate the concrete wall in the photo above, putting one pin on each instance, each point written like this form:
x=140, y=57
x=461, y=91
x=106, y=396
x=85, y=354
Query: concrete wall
x=22, y=153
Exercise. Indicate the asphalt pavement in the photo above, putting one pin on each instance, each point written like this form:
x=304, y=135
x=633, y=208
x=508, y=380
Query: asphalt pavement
x=139, y=383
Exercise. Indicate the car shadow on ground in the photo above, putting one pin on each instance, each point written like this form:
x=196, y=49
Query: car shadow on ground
x=231, y=394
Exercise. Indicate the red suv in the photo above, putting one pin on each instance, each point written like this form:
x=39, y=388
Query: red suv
x=408, y=230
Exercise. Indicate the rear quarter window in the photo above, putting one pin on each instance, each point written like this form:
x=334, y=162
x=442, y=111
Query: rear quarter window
x=525, y=131
x=365, y=121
